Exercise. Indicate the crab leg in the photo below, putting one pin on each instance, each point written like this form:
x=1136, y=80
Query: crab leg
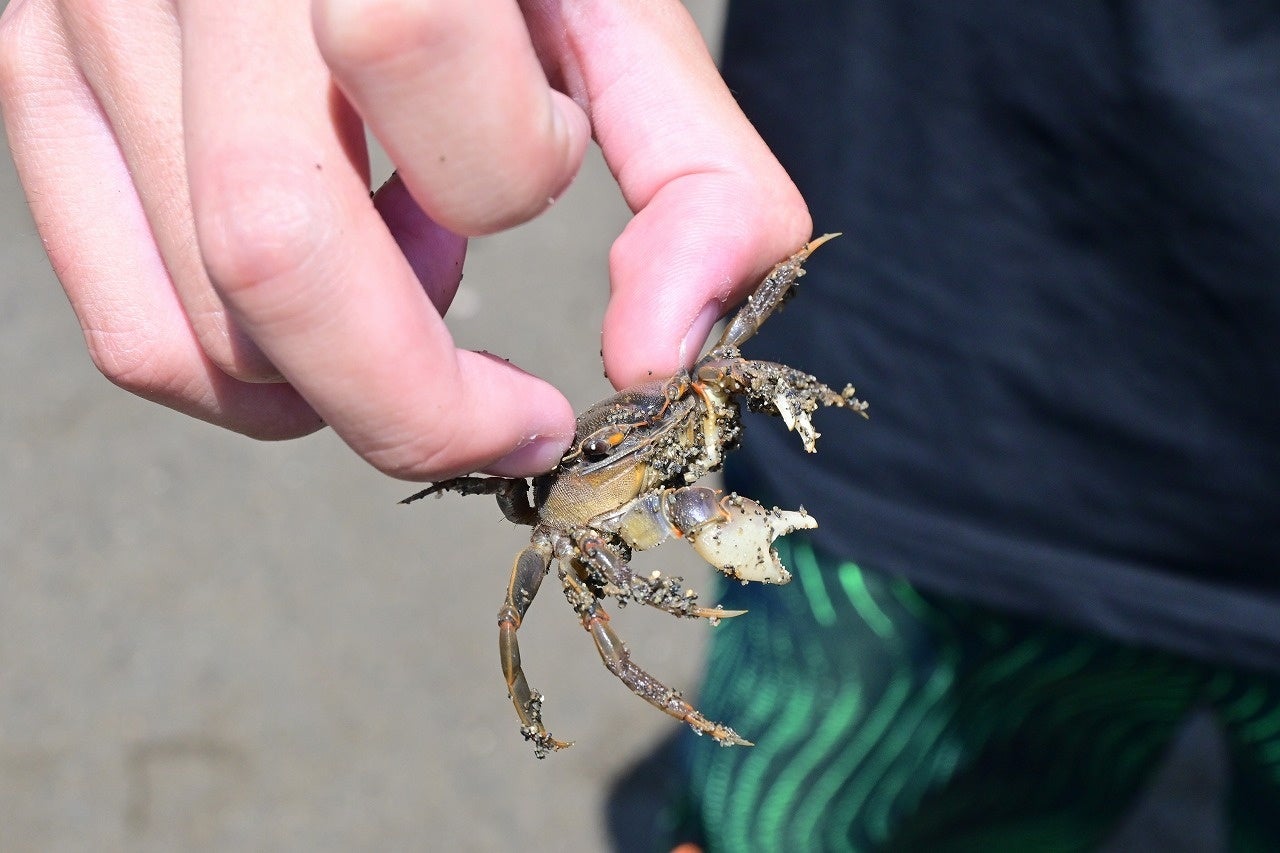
x=614, y=576
x=770, y=293
x=512, y=494
x=526, y=576
x=617, y=659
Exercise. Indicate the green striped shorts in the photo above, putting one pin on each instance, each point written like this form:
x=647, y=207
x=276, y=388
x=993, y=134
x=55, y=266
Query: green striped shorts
x=886, y=718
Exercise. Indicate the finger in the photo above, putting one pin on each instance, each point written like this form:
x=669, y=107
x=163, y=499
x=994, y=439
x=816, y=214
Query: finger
x=456, y=94
x=97, y=237
x=306, y=264
x=435, y=253
x=714, y=209
x=129, y=53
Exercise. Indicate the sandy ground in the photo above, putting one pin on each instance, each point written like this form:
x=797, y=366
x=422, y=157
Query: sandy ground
x=208, y=643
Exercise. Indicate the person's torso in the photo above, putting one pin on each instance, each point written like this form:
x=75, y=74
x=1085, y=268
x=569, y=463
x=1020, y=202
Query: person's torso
x=1059, y=289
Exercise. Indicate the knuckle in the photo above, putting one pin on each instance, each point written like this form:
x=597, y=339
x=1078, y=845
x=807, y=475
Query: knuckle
x=261, y=225
x=168, y=374
x=136, y=362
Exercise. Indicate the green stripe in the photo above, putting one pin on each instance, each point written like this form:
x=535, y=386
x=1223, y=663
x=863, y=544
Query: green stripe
x=810, y=575
x=1266, y=726
x=731, y=684
x=860, y=597
x=827, y=738
x=790, y=725
x=1250, y=703
x=1013, y=661
x=902, y=788
x=865, y=742
x=786, y=798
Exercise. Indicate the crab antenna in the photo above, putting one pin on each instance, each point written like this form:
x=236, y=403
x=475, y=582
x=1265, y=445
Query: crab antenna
x=771, y=293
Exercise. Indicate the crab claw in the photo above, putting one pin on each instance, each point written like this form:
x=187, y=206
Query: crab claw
x=715, y=614
x=735, y=534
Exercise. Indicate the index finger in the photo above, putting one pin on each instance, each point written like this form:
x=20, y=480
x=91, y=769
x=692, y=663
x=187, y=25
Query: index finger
x=308, y=268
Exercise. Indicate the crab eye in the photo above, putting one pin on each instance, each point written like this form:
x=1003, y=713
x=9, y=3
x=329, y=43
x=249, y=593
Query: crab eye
x=600, y=444
x=597, y=448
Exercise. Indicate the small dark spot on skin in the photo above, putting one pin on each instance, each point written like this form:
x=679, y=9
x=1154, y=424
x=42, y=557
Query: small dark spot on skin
x=441, y=160
x=319, y=167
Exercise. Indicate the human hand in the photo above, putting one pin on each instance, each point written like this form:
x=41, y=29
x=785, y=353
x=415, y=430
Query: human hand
x=198, y=173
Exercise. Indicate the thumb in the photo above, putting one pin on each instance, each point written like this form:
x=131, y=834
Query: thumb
x=688, y=258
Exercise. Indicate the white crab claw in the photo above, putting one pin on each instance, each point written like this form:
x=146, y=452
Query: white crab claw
x=798, y=421
x=741, y=545
x=783, y=405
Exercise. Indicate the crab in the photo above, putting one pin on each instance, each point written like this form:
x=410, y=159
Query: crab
x=627, y=483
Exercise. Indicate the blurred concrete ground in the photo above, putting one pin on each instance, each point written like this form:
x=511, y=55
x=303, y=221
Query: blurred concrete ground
x=208, y=643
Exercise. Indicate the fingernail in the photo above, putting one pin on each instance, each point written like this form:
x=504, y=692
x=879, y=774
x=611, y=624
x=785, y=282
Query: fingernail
x=696, y=338
x=535, y=455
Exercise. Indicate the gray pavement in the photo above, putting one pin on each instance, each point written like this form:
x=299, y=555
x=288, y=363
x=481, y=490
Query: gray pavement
x=208, y=643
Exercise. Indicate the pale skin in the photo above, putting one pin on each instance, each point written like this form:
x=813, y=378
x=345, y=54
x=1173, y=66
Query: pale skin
x=198, y=174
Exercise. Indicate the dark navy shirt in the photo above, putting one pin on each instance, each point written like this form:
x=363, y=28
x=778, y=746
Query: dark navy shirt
x=1059, y=289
